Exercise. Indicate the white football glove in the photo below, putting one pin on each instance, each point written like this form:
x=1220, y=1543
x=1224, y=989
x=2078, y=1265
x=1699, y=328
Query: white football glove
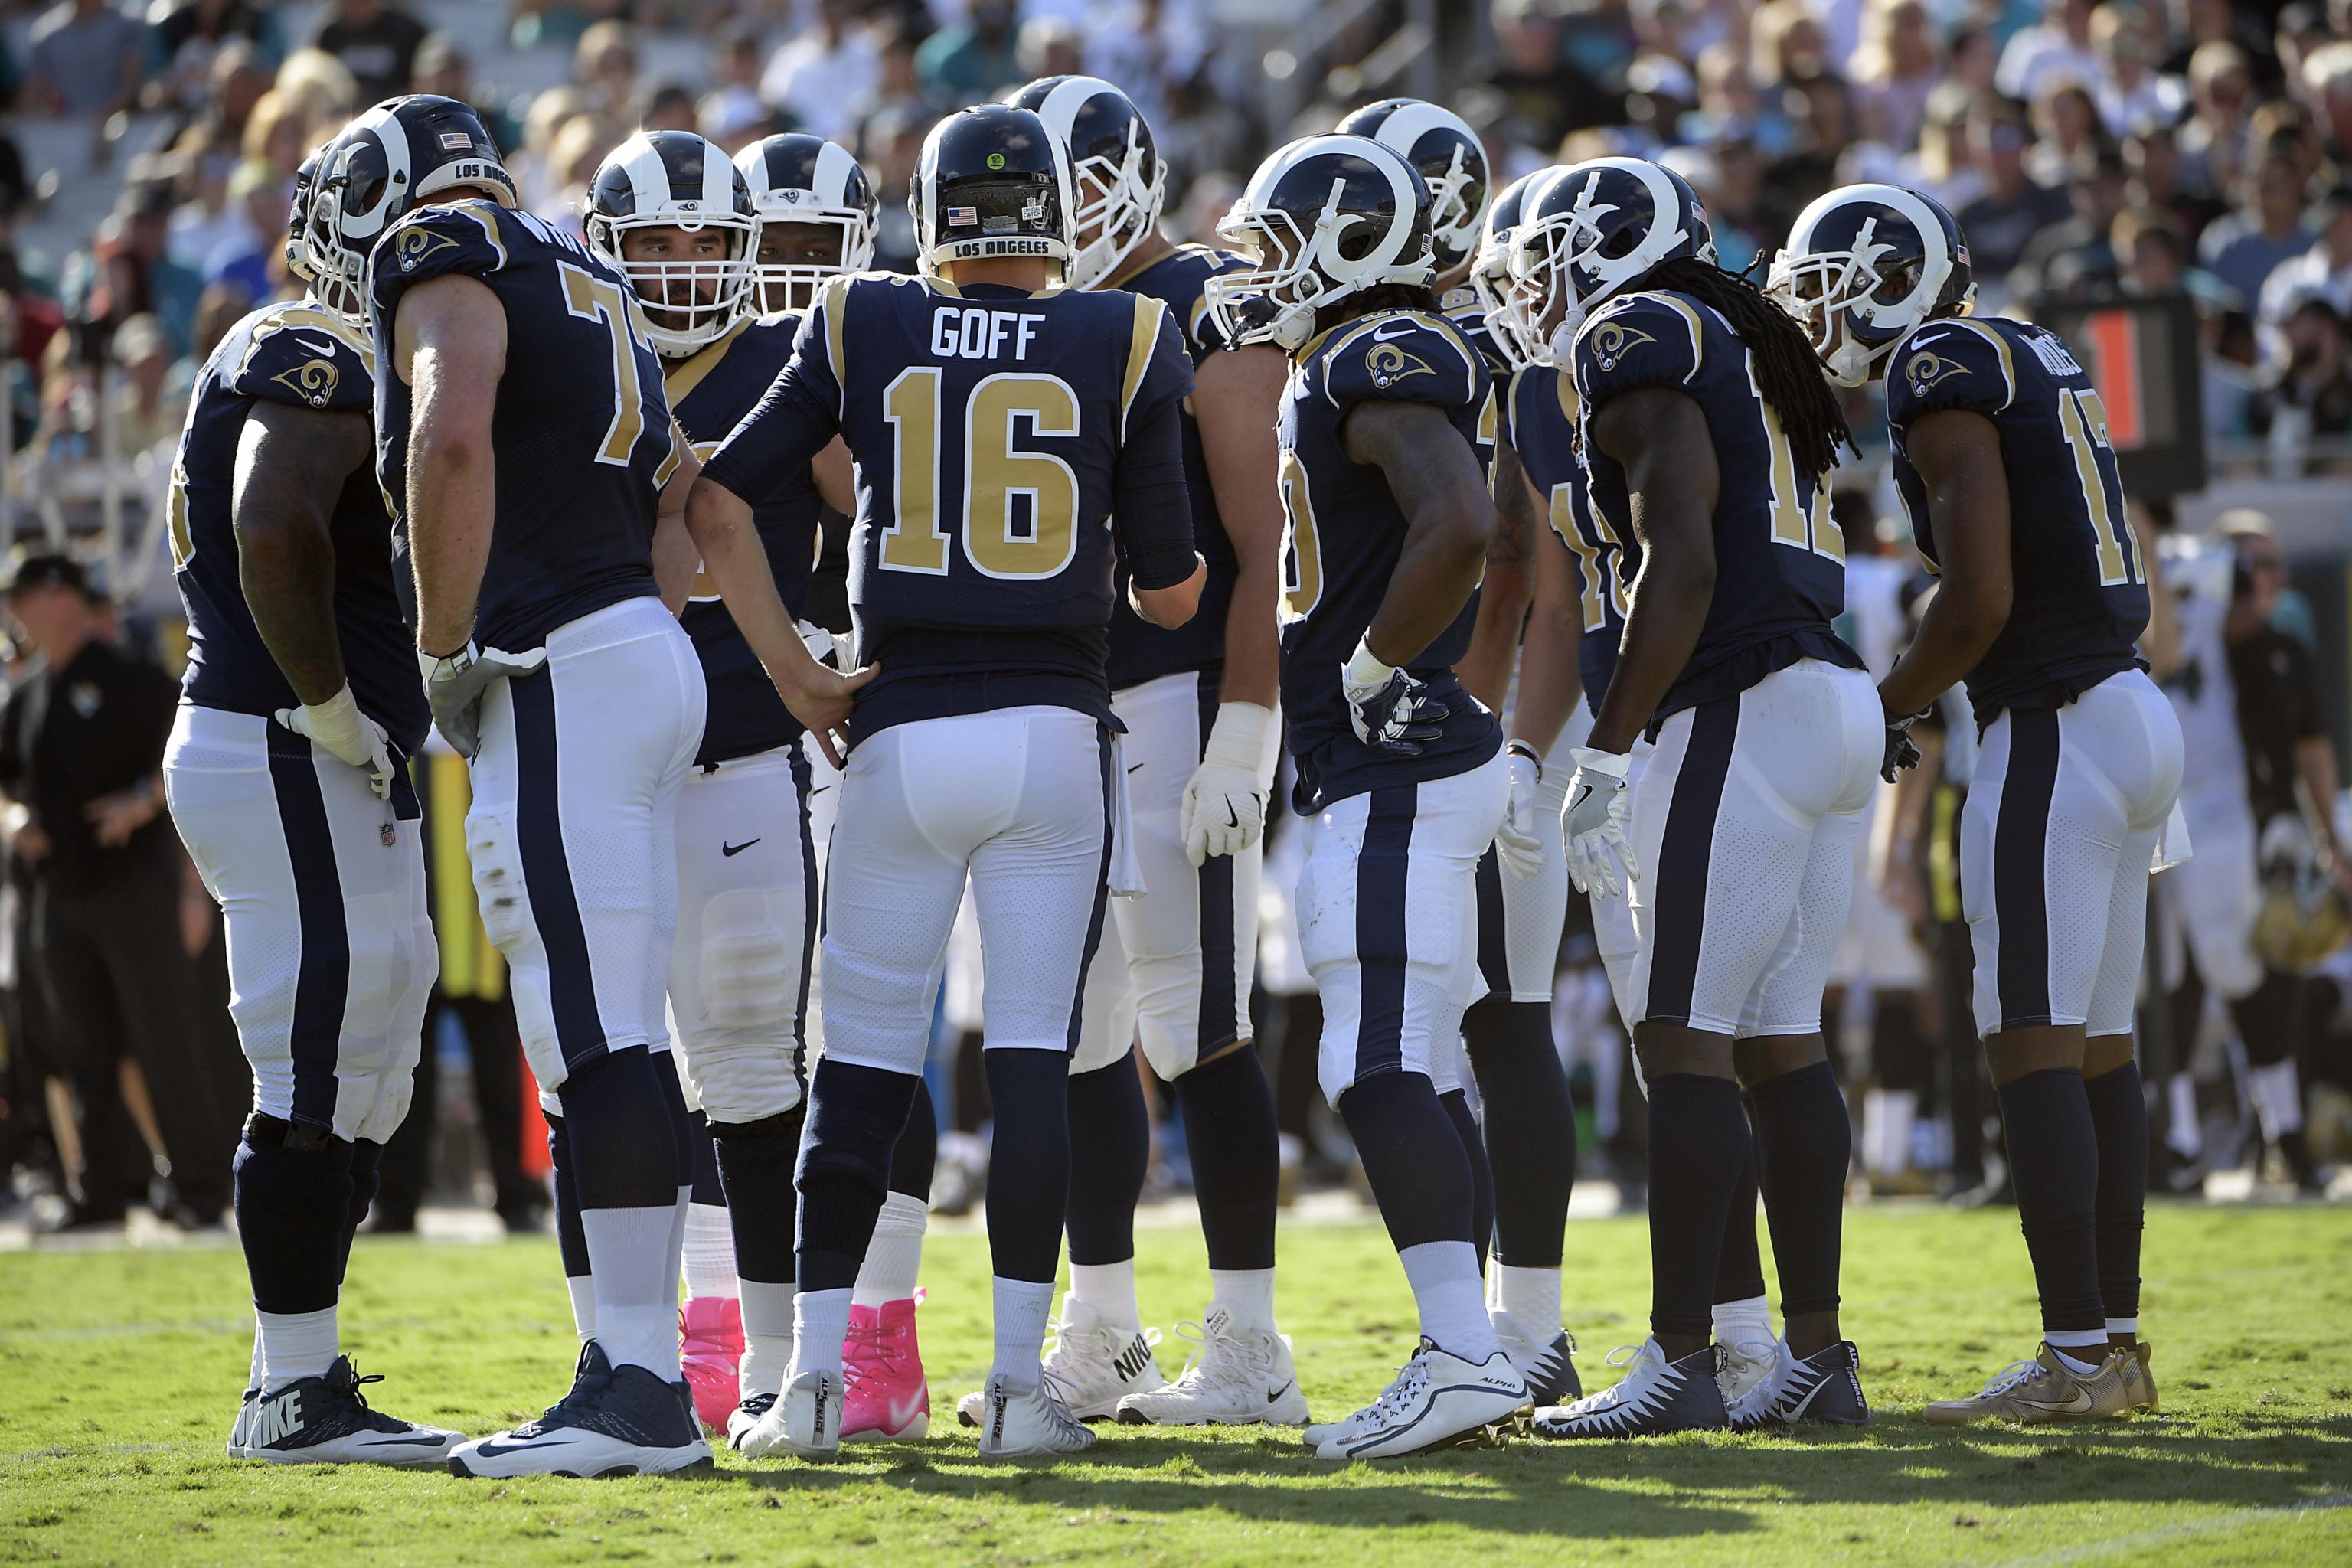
x=1224, y=800
x=1389, y=710
x=454, y=684
x=339, y=726
x=1518, y=840
x=1593, y=822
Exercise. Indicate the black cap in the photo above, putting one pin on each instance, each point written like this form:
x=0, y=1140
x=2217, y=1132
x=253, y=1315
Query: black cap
x=46, y=568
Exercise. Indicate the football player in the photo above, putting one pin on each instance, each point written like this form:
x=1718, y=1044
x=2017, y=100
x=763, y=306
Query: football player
x=1401, y=773
x=1994, y=421
x=288, y=780
x=996, y=423
x=1706, y=426
x=1175, y=966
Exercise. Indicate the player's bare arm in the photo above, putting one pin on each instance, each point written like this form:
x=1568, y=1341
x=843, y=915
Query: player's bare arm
x=1957, y=455
x=673, y=548
x=449, y=344
x=1661, y=438
x=1551, y=680
x=837, y=477
x=1449, y=521
x=291, y=466
x=1507, y=590
x=2160, y=643
x=1234, y=399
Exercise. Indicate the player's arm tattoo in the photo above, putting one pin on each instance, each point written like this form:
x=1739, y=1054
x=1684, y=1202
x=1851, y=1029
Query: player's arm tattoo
x=291, y=465
x=1661, y=438
x=1433, y=475
x=1958, y=454
x=1515, y=518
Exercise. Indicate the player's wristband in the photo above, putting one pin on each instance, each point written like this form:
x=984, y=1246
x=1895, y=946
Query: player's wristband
x=1367, y=668
x=1237, y=738
x=1519, y=748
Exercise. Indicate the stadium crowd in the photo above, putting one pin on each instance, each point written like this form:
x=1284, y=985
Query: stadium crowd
x=2190, y=148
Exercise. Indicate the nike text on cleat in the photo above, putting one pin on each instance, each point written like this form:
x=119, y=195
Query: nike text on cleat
x=805, y=1420
x=1550, y=1367
x=242, y=1424
x=1018, y=1422
x=326, y=1420
x=1090, y=1366
x=1437, y=1400
x=1655, y=1396
x=746, y=1416
x=2043, y=1389
x=1238, y=1375
x=1824, y=1389
x=709, y=1352
x=884, y=1395
x=616, y=1421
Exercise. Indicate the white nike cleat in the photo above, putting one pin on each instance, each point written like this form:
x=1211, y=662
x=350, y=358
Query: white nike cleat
x=1237, y=1376
x=1018, y=1422
x=1438, y=1400
x=1549, y=1365
x=616, y=1421
x=326, y=1420
x=746, y=1416
x=1656, y=1396
x=1746, y=1366
x=1090, y=1366
x=805, y=1421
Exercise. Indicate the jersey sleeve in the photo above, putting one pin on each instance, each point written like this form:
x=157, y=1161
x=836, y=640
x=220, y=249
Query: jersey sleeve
x=1638, y=342
x=1948, y=365
x=1404, y=359
x=1150, y=507
x=432, y=242
x=308, y=359
x=797, y=415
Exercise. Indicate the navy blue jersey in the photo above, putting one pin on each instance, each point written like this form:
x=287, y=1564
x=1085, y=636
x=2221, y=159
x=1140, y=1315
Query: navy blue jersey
x=1005, y=444
x=1341, y=537
x=1468, y=316
x=1542, y=403
x=708, y=393
x=582, y=430
x=306, y=358
x=2079, y=591
x=1780, y=561
x=1140, y=651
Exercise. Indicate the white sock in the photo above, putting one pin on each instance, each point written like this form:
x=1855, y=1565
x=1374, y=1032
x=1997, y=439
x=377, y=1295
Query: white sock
x=894, y=1259
x=633, y=1259
x=1530, y=1296
x=820, y=1319
x=709, y=1252
x=2185, y=1135
x=2277, y=1094
x=582, y=1288
x=253, y=1372
x=2094, y=1341
x=1021, y=1306
x=2129, y=1326
x=295, y=1344
x=767, y=1337
x=1450, y=1295
x=1743, y=1324
x=674, y=1250
x=1245, y=1294
x=1887, y=1118
x=1110, y=1290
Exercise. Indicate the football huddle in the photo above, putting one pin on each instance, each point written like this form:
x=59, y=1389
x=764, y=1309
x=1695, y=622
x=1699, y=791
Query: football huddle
x=1494, y=522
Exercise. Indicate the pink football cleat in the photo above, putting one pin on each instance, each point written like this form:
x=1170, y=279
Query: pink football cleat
x=709, y=1344
x=882, y=1367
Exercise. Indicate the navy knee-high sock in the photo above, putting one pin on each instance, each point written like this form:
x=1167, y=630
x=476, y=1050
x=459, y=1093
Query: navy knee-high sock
x=855, y=1115
x=367, y=1159
x=1413, y=1158
x=1228, y=1110
x=1029, y=1162
x=1482, y=1175
x=2119, y=1113
x=755, y=1163
x=571, y=1241
x=1110, y=1150
x=1699, y=1145
x=915, y=1155
x=1803, y=1145
x=1530, y=1128
x=1739, y=1266
x=292, y=1205
x=702, y=1153
x=625, y=1149
x=2054, y=1151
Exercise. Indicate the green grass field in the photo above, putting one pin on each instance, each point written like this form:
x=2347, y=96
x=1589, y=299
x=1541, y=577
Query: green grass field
x=119, y=1373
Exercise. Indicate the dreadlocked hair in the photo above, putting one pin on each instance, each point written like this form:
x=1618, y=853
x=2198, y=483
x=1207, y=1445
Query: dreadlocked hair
x=1787, y=369
x=1377, y=298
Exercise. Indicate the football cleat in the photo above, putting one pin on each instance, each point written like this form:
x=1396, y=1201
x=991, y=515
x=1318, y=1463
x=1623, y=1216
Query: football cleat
x=1744, y=1365
x=1437, y=1400
x=1090, y=1367
x=1824, y=1387
x=711, y=1352
x=883, y=1392
x=1015, y=1422
x=1655, y=1396
x=746, y=1416
x=805, y=1420
x=243, y=1424
x=1549, y=1369
x=616, y=1421
x=326, y=1421
x=2043, y=1389
x=2139, y=1380
x=1238, y=1375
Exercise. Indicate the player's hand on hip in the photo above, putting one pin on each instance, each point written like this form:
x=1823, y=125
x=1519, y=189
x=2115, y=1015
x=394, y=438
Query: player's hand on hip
x=1518, y=841
x=1594, y=823
x=454, y=685
x=823, y=705
x=339, y=726
x=1389, y=711
x=1224, y=809
x=1901, y=751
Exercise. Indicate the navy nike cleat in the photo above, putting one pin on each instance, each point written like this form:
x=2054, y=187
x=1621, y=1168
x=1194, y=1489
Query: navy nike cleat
x=327, y=1421
x=616, y=1421
x=1656, y=1396
x=1823, y=1388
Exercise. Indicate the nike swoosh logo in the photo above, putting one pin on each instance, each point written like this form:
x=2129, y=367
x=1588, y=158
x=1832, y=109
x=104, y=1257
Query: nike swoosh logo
x=500, y=1450
x=1279, y=1392
x=1581, y=797
x=406, y=1443
x=1232, y=818
x=903, y=1411
x=324, y=351
x=2075, y=1406
x=1382, y=334
x=818, y=791
x=726, y=848
x=1132, y=766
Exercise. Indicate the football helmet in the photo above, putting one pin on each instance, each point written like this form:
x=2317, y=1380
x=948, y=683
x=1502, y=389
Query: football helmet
x=1114, y=170
x=1451, y=161
x=297, y=215
x=1594, y=229
x=385, y=163
x=991, y=182
x=1326, y=217
x=796, y=179
x=676, y=179
x=1490, y=272
x=1881, y=258
x=2303, y=919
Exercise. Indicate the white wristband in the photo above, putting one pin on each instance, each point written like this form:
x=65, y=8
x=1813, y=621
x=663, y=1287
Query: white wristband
x=1618, y=765
x=1238, y=737
x=336, y=722
x=1366, y=668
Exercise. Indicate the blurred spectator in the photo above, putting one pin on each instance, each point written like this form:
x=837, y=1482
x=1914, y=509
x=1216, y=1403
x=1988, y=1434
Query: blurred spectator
x=205, y=221
x=377, y=44
x=2129, y=92
x=892, y=146
x=1944, y=164
x=559, y=24
x=218, y=51
x=322, y=91
x=897, y=89
x=2056, y=48
x=1821, y=111
x=144, y=417
x=1148, y=47
x=2150, y=255
x=1549, y=96
x=244, y=259
x=2241, y=247
x=85, y=57
x=1050, y=46
x=442, y=67
x=2309, y=383
x=278, y=136
x=2067, y=134
x=733, y=105
x=669, y=107
x=2213, y=140
x=2327, y=84
x=2003, y=221
x=2152, y=156
x=130, y=269
x=2324, y=271
x=1898, y=65
x=604, y=70
x=975, y=60
x=824, y=75
x=2074, y=257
